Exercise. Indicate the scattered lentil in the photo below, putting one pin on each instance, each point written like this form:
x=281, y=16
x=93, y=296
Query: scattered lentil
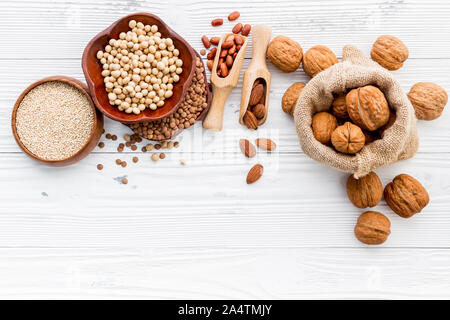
x=135, y=159
x=128, y=144
x=54, y=120
x=144, y=149
x=176, y=144
x=113, y=137
x=162, y=156
x=149, y=147
x=108, y=136
x=170, y=145
x=100, y=166
x=123, y=164
x=124, y=180
x=126, y=137
x=101, y=144
x=157, y=146
x=134, y=147
x=182, y=162
x=118, y=161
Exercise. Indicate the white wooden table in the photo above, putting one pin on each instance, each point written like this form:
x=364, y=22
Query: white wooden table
x=199, y=231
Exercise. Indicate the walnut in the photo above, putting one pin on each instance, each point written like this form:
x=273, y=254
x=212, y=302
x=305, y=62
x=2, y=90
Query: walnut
x=317, y=59
x=428, y=99
x=290, y=97
x=367, y=107
x=285, y=53
x=372, y=228
x=406, y=196
x=339, y=107
x=323, y=125
x=390, y=52
x=365, y=191
x=391, y=121
x=348, y=138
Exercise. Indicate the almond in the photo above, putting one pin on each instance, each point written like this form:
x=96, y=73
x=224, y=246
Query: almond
x=255, y=173
x=259, y=111
x=247, y=148
x=256, y=94
x=250, y=120
x=266, y=144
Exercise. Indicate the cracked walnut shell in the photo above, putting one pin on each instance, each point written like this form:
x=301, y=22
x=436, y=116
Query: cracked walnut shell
x=317, y=59
x=285, y=53
x=348, y=138
x=367, y=107
x=372, y=228
x=365, y=191
x=290, y=97
x=323, y=125
x=390, y=52
x=428, y=99
x=406, y=196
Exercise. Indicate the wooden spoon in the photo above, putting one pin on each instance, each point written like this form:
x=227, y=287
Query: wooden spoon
x=222, y=87
x=257, y=70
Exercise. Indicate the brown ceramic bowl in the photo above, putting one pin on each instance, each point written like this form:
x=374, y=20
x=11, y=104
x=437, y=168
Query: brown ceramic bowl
x=95, y=134
x=92, y=69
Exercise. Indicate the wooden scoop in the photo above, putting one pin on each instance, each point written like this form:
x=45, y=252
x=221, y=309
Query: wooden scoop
x=257, y=70
x=222, y=87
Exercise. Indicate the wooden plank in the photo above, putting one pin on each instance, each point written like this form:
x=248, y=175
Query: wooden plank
x=297, y=203
x=66, y=27
x=206, y=273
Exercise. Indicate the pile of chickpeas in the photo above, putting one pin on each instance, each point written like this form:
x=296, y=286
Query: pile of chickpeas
x=140, y=68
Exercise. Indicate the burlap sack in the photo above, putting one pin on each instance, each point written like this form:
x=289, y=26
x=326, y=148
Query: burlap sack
x=399, y=142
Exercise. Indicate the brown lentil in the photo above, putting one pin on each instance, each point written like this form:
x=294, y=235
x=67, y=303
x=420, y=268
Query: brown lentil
x=123, y=164
x=157, y=146
x=124, y=180
x=162, y=156
x=100, y=166
x=54, y=120
x=118, y=161
x=135, y=159
x=108, y=136
x=144, y=149
x=134, y=147
x=193, y=104
x=114, y=137
x=101, y=144
x=176, y=144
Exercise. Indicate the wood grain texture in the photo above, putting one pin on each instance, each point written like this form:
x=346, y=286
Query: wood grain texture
x=207, y=273
x=76, y=232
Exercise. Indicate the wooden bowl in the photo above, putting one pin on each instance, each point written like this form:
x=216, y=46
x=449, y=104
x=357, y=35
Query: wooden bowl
x=95, y=134
x=92, y=69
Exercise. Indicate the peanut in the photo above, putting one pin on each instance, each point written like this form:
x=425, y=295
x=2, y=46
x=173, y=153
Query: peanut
x=215, y=40
x=227, y=44
x=237, y=28
x=246, y=30
x=212, y=54
x=234, y=15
